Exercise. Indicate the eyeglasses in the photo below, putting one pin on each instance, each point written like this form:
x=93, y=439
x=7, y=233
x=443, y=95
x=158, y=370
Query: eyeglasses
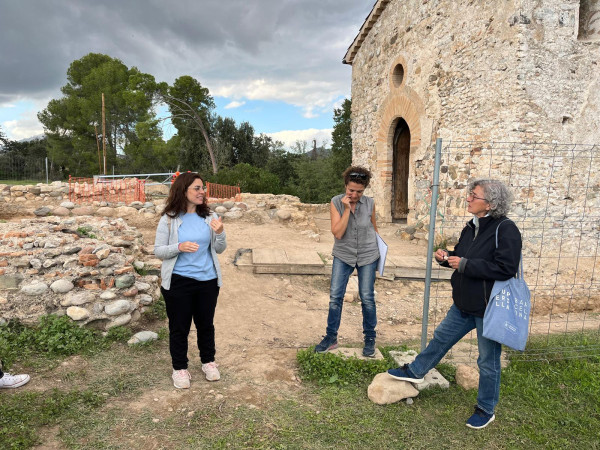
x=198, y=188
x=474, y=197
x=362, y=176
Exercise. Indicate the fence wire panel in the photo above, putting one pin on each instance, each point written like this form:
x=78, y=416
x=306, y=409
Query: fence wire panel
x=557, y=209
x=16, y=167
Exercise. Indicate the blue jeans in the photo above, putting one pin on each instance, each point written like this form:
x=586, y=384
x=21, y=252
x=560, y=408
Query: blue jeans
x=455, y=325
x=340, y=273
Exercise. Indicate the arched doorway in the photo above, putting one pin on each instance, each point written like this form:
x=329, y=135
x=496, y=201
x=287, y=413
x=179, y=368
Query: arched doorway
x=400, y=165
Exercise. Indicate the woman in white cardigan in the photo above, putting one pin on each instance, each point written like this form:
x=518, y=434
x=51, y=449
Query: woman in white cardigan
x=188, y=239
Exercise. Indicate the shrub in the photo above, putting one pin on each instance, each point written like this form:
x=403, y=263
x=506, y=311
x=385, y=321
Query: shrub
x=249, y=178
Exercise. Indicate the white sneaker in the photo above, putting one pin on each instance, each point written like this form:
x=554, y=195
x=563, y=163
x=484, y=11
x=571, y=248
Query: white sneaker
x=181, y=379
x=211, y=371
x=9, y=381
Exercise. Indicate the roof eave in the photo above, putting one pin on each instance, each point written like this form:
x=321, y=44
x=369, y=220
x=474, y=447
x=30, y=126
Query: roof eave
x=364, y=30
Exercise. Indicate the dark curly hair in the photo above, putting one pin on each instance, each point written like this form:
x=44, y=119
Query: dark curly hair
x=177, y=200
x=357, y=174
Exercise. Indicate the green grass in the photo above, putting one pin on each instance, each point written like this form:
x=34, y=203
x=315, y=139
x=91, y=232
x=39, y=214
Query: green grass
x=106, y=399
x=157, y=310
x=21, y=182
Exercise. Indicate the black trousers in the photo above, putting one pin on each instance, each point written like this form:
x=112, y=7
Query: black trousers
x=189, y=299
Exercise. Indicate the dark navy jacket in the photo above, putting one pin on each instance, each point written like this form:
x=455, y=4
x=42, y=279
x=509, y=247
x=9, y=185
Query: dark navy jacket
x=483, y=263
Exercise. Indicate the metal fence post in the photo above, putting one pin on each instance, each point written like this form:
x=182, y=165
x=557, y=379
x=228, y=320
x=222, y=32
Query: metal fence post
x=432, y=215
x=46, y=170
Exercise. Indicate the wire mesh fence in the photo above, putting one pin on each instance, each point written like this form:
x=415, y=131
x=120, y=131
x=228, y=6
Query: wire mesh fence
x=16, y=167
x=557, y=209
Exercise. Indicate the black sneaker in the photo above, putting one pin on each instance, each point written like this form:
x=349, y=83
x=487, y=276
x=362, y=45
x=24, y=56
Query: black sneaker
x=369, y=350
x=328, y=343
x=404, y=374
x=480, y=419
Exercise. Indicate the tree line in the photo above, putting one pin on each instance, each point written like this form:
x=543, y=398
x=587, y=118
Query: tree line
x=217, y=147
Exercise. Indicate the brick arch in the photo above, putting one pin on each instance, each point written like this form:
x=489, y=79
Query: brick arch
x=395, y=107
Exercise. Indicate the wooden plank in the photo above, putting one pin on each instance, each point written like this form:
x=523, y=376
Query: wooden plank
x=302, y=257
x=269, y=256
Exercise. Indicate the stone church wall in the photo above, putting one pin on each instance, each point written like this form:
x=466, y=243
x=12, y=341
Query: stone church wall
x=519, y=71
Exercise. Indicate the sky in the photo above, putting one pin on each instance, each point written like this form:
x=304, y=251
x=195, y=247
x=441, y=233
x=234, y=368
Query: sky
x=276, y=64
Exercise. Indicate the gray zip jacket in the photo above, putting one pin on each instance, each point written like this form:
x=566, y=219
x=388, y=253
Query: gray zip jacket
x=166, y=246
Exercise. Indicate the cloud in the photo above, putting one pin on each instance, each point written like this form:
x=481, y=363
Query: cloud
x=234, y=104
x=23, y=128
x=289, y=137
x=284, y=50
x=314, y=97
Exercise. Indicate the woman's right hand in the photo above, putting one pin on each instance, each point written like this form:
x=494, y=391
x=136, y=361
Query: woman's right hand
x=441, y=255
x=346, y=201
x=188, y=247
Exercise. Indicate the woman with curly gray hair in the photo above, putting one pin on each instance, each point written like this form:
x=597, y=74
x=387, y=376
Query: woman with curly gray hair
x=477, y=261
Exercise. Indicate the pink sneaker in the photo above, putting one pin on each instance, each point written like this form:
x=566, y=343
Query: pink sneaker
x=211, y=371
x=9, y=381
x=181, y=379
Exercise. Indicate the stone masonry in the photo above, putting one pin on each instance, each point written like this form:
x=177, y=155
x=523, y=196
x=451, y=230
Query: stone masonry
x=513, y=70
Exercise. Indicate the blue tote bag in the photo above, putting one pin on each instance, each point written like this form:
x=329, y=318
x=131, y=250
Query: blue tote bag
x=506, y=318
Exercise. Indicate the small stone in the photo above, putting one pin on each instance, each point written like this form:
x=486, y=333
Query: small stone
x=103, y=253
x=119, y=321
x=142, y=336
x=108, y=295
x=118, y=307
x=77, y=298
x=36, y=288
x=220, y=209
x=124, y=281
x=77, y=313
x=50, y=263
x=145, y=299
x=142, y=287
x=68, y=205
x=132, y=292
x=43, y=211
x=62, y=286
x=61, y=212
x=284, y=215
x=233, y=215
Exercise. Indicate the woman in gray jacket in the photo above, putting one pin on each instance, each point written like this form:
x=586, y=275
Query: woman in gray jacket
x=188, y=239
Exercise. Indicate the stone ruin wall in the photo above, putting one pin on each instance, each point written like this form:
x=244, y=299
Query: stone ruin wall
x=81, y=266
x=517, y=73
x=81, y=259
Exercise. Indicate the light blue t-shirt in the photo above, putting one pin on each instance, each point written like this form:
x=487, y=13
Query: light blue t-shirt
x=198, y=265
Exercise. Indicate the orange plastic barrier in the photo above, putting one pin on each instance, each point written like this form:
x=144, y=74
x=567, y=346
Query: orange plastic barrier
x=216, y=192
x=87, y=190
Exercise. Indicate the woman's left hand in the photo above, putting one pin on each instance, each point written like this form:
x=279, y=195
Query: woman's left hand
x=454, y=261
x=217, y=225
